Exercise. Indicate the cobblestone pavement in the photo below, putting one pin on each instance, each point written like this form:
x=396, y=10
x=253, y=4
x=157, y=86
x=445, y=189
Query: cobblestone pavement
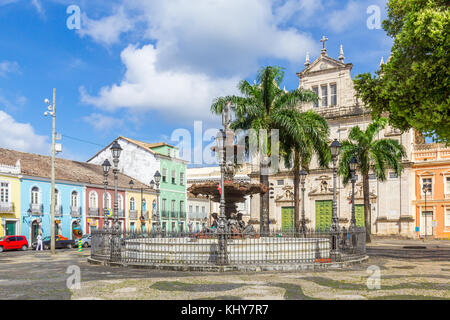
x=38, y=275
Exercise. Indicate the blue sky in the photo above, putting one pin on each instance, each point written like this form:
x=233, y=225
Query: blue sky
x=143, y=68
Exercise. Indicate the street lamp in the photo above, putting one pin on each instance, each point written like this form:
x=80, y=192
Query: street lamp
x=106, y=166
x=116, y=149
x=303, y=174
x=425, y=189
x=353, y=164
x=335, y=149
x=156, y=216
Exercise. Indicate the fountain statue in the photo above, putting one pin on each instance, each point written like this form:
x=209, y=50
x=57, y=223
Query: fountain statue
x=234, y=191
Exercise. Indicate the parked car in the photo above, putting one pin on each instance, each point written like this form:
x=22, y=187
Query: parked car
x=85, y=240
x=13, y=243
x=60, y=242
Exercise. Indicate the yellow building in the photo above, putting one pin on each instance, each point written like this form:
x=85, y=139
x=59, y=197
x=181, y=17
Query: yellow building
x=9, y=200
x=140, y=207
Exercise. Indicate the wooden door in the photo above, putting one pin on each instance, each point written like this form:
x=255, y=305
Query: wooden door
x=287, y=219
x=323, y=214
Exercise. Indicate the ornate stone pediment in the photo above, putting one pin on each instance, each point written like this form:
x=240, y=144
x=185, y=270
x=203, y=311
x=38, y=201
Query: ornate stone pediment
x=287, y=195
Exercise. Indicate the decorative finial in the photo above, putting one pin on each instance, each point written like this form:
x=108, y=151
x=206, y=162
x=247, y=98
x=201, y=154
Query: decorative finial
x=324, y=50
x=341, y=54
x=307, y=59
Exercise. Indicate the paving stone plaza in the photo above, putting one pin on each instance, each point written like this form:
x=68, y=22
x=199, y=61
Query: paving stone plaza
x=403, y=274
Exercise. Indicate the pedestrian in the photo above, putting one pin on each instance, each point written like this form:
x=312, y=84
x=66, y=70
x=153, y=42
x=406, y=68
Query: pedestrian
x=39, y=242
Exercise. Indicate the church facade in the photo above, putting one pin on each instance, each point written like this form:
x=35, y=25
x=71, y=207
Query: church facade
x=392, y=211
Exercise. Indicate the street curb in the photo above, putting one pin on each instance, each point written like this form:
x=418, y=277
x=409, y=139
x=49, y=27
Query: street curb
x=242, y=268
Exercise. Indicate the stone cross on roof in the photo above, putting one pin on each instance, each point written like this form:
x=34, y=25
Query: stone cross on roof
x=324, y=50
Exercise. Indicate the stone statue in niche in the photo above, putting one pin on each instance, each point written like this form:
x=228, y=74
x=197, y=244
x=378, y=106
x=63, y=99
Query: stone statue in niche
x=323, y=186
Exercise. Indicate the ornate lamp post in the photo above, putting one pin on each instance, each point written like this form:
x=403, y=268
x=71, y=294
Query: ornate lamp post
x=157, y=178
x=335, y=149
x=106, y=166
x=303, y=174
x=353, y=164
x=155, y=215
x=221, y=227
x=116, y=149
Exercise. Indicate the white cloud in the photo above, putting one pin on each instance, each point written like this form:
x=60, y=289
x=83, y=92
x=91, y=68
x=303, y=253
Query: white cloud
x=38, y=6
x=341, y=20
x=203, y=49
x=20, y=136
x=181, y=95
x=106, y=30
x=103, y=123
x=8, y=67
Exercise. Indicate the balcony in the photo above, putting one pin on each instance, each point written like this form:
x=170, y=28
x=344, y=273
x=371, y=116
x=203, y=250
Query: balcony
x=7, y=207
x=94, y=212
x=121, y=213
x=75, y=212
x=182, y=215
x=145, y=215
x=174, y=214
x=58, y=211
x=164, y=214
x=36, y=209
x=133, y=214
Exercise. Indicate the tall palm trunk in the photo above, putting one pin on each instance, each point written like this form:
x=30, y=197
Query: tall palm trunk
x=264, y=199
x=296, y=193
x=367, y=212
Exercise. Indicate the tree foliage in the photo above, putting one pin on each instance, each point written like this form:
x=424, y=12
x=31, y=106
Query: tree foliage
x=413, y=87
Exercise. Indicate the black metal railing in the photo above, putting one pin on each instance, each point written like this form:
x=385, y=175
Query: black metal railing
x=227, y=248
x=133, y=214
x=37, y=209
x=75, y=212
x=164, y=214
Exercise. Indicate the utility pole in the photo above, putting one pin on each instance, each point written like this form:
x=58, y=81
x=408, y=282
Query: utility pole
x=52, y=205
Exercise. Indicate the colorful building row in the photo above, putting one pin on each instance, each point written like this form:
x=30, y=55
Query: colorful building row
x=141, y=160
x=80, y=198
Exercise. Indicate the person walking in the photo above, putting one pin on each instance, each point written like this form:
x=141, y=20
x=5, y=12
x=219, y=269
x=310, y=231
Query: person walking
x=39, y=242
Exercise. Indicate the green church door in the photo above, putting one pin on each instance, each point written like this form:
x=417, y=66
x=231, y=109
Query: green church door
x=323, y=214
x=359, y=215
x=287, y=219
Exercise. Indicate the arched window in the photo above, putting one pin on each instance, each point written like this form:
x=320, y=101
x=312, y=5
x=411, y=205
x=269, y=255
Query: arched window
x=154, y=206
x=93, y=200
x=132, y=206
x=144, y=205
x=120, y=202
x=74, y=199
x=35, y=195
x=107, y=200
x=56, y=197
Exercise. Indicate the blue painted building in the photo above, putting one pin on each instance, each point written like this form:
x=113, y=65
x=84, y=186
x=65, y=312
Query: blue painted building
x=36, y=199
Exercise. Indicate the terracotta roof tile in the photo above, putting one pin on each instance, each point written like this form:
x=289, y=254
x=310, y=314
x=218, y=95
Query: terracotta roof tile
x=40, y=166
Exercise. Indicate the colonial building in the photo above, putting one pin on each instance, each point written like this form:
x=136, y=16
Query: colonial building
x=79, y=194
x=431, y=202
x=141, y=160
x=391, y=209
x=9, y=199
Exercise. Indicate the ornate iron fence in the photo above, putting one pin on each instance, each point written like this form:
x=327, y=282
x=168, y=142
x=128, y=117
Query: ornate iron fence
x=228, y=249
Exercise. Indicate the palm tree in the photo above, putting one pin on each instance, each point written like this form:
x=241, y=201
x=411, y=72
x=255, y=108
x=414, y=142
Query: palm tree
x=372, y=155
x=311, y=137
x=265, y=106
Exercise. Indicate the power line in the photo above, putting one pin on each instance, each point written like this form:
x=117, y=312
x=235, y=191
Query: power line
x=81, y=140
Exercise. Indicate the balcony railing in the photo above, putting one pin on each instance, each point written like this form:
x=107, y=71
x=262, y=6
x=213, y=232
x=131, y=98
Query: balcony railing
x=121, y=213
x=75, y=212
x=174, y=214
x=145, y=215
x=133, y=214
x=164, y=214
x=94, y=212
x=182, y=215
x=36, y=209
x=58, y=211
x=7, y=207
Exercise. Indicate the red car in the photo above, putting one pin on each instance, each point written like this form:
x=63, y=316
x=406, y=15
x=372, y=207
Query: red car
x=13, y=243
